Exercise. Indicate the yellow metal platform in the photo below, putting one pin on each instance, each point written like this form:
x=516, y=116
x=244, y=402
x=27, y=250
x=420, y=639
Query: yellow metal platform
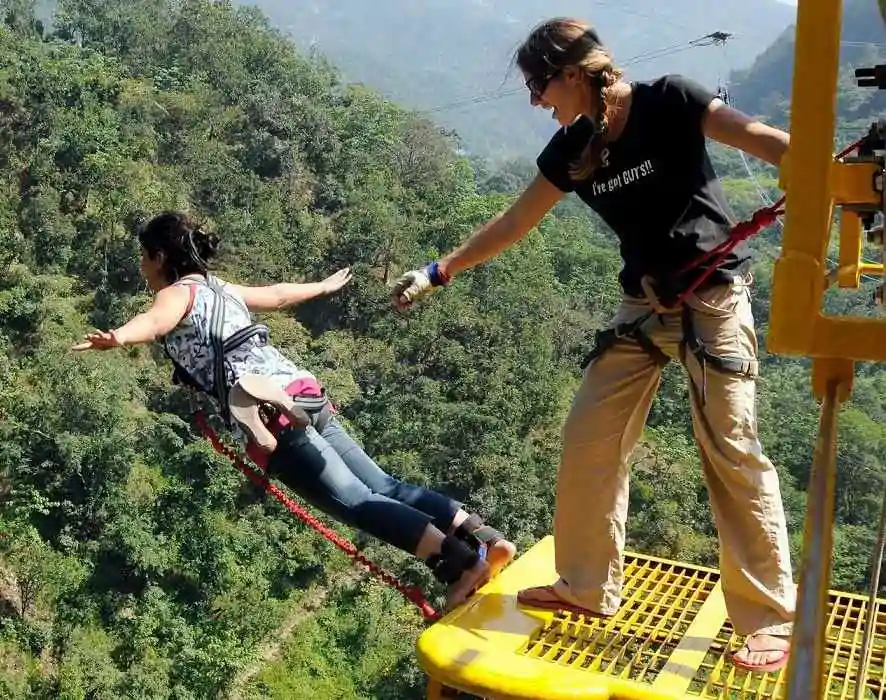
x=669, y=640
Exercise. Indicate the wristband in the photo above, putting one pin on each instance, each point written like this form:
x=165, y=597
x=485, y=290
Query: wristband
x=437, y=276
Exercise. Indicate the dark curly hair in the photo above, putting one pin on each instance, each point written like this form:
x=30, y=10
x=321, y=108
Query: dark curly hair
x=186, y=247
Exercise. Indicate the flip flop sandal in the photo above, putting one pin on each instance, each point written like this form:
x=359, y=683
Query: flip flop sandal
x=524, y=598
x=769, y=667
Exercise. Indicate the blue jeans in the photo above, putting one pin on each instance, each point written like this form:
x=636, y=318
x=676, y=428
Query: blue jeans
x=332, y=472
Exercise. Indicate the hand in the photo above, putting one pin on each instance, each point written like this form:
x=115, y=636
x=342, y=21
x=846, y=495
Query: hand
x=99, y=340
x=411, y=287
x=335, y=282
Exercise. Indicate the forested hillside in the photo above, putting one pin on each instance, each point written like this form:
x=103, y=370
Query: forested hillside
x=134, y=561
x=452, y=57
x=765, y=87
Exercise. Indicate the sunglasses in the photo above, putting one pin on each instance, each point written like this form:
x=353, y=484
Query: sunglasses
x=538, y=84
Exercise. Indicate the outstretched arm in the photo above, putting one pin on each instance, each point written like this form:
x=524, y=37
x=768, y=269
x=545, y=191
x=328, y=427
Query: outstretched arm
x=504, y=230
x=489, y=240
x=734, y=128
x=279, y=296
x=170, y=305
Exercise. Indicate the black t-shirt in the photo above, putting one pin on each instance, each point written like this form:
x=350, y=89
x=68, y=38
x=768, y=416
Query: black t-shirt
x=655, y=185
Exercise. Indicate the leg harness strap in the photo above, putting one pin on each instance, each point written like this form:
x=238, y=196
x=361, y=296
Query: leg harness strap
x=727, y=364
x=631, y=332
x=690, y=343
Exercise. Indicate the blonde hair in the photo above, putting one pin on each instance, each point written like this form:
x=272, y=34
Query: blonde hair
x=564, y=42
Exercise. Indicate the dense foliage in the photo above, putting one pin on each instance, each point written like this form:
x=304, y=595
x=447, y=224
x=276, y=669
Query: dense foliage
x=136, y=563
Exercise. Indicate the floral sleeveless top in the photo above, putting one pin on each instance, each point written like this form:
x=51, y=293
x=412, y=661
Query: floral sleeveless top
x=189, y=344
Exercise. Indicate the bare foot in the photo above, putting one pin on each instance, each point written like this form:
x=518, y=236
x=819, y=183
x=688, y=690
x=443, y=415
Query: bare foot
x=472, y=579
x=499, y=555
x=762, y=652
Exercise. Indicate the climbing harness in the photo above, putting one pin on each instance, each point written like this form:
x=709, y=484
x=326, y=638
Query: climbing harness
x=253, y=401
x=221, y=347
x=633, y=330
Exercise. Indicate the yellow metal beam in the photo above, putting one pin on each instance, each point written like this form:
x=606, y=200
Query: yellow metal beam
x=814, y=185
x=795, y=293
x=849, y=274
x=853, y=183
x=860, y=339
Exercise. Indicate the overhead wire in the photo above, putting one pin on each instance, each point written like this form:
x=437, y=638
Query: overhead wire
x=717, y=38
x=714, y=38
x=642, y=57
x=639, y=13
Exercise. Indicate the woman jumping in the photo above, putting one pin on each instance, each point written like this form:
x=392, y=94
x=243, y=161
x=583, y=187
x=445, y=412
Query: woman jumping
x=281, y=412
x=635, y=153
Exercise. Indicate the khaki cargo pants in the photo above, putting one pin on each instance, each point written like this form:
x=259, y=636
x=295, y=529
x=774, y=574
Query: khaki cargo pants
x=604, y=425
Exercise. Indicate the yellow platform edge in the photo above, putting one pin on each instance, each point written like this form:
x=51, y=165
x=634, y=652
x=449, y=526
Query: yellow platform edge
x=481, y=647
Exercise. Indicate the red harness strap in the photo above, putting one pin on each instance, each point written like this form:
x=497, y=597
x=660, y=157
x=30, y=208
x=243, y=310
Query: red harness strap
x=411, y=593
x=759, y=220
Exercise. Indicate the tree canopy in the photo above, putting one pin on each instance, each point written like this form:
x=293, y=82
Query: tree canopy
x=134, y=561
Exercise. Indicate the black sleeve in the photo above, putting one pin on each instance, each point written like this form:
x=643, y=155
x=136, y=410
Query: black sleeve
x=685, y=102
x=682, y=105
x=553, y=163
x=564, y=149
